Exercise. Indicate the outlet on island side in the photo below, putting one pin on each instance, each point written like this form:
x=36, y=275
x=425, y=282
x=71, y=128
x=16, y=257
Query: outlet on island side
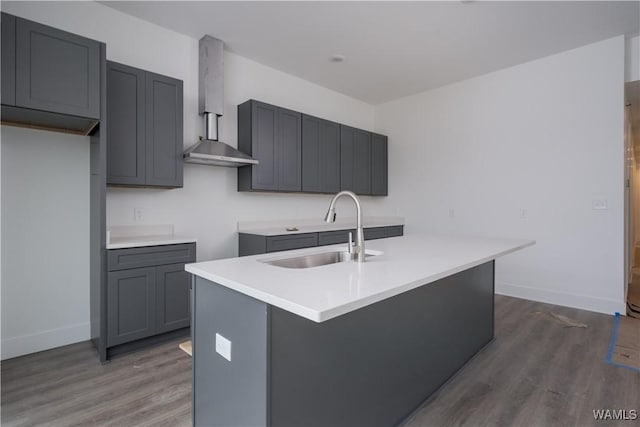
x=223, y=347
x=138, y=214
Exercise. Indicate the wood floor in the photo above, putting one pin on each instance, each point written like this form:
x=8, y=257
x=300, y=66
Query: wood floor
x=537, y=372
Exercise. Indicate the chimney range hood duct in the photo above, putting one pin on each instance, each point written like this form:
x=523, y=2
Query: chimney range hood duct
x=210, y=151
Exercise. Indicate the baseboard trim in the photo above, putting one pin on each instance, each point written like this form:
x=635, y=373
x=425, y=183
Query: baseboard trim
x=583, y=302
x=33, y=343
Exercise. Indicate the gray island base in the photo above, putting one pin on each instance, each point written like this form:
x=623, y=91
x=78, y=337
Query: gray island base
x=370, y=367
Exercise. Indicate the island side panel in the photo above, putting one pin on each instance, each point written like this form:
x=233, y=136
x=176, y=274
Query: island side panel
x=229, y=393
x=374, y=366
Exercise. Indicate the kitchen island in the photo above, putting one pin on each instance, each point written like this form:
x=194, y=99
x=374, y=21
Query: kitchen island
x=339, y=344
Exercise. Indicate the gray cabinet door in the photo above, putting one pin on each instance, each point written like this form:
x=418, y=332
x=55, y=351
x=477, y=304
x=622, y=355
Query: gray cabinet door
x=264, y=146
x=320, y=155
x=56, y=71
x=379, y=161
x=271, y=135
x=355, y=160
x=172, y=298
x=126, y=159
x=131, y=305
x=164, y=131
x=289, y=158
x=8, y=61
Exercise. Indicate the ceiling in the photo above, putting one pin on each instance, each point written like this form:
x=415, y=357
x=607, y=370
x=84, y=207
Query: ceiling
x=392, y=49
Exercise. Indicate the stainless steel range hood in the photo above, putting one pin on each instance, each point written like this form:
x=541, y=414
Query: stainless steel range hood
x=210, y=151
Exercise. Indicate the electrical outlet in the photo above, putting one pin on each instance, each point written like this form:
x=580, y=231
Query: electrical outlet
x=452, y=213
x=599, y=204
x=223, y=347
x=138, y=214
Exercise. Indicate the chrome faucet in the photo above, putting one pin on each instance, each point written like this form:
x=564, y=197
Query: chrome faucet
x=358, y=248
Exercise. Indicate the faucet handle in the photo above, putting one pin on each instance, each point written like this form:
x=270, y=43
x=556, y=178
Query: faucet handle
x=350, y=243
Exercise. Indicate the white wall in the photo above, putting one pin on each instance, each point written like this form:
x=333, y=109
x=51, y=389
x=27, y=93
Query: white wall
x=545, y=137
x=45, y=223
x=208, y=206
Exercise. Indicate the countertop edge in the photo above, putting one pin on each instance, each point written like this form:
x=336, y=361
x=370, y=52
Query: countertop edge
x=145, y=242
x=321, y=316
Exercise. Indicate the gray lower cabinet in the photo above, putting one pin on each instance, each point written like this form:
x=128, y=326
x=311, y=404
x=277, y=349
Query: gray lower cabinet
x=131, y=301
x=375, y=233
x=172, y=297
x=320, y=155
x=355, y=160
x=254, y=244
x=273, y=136
x=50, y=78
x=147, y=292
x=145, y=132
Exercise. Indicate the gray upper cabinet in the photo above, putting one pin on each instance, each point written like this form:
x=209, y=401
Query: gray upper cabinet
x=355, y=160
x=126, y=137
x=379, y=165
x=57, y=71
x=302, y=153
x=320, y=155
x=289, y=150
x=164, y=131
x=271, y=135
x=145, y=113
x=50, y=78
x=8, y=62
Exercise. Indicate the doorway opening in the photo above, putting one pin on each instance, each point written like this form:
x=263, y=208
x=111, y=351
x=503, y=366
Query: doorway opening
x=632, y=197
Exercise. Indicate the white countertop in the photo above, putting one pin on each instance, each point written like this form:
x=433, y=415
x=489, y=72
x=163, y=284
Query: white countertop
x=130, y=236
x=322, y=293
x=277, y=228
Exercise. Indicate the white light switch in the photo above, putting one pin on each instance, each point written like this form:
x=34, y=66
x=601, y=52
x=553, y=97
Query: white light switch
x=223, y=347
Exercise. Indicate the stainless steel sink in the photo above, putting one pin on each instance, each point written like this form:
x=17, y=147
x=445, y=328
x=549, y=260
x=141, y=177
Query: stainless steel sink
x=313, y=260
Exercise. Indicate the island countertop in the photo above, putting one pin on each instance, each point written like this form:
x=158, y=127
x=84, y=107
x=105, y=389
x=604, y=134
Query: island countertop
x=324, y=292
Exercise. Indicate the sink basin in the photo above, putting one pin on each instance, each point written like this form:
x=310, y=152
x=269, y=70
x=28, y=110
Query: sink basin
x=314, y=260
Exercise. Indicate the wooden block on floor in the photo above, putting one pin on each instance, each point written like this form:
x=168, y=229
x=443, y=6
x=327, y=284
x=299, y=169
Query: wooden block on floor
x=186, y=347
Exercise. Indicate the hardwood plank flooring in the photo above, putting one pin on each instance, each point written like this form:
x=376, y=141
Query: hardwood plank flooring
x=537, y=372
x=68, y=386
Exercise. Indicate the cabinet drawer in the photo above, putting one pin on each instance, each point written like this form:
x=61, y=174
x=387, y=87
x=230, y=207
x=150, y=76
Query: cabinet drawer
x=297, y=241
x=375, y=233
x=334, y=237
x=121, y=259
x=396, y=230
